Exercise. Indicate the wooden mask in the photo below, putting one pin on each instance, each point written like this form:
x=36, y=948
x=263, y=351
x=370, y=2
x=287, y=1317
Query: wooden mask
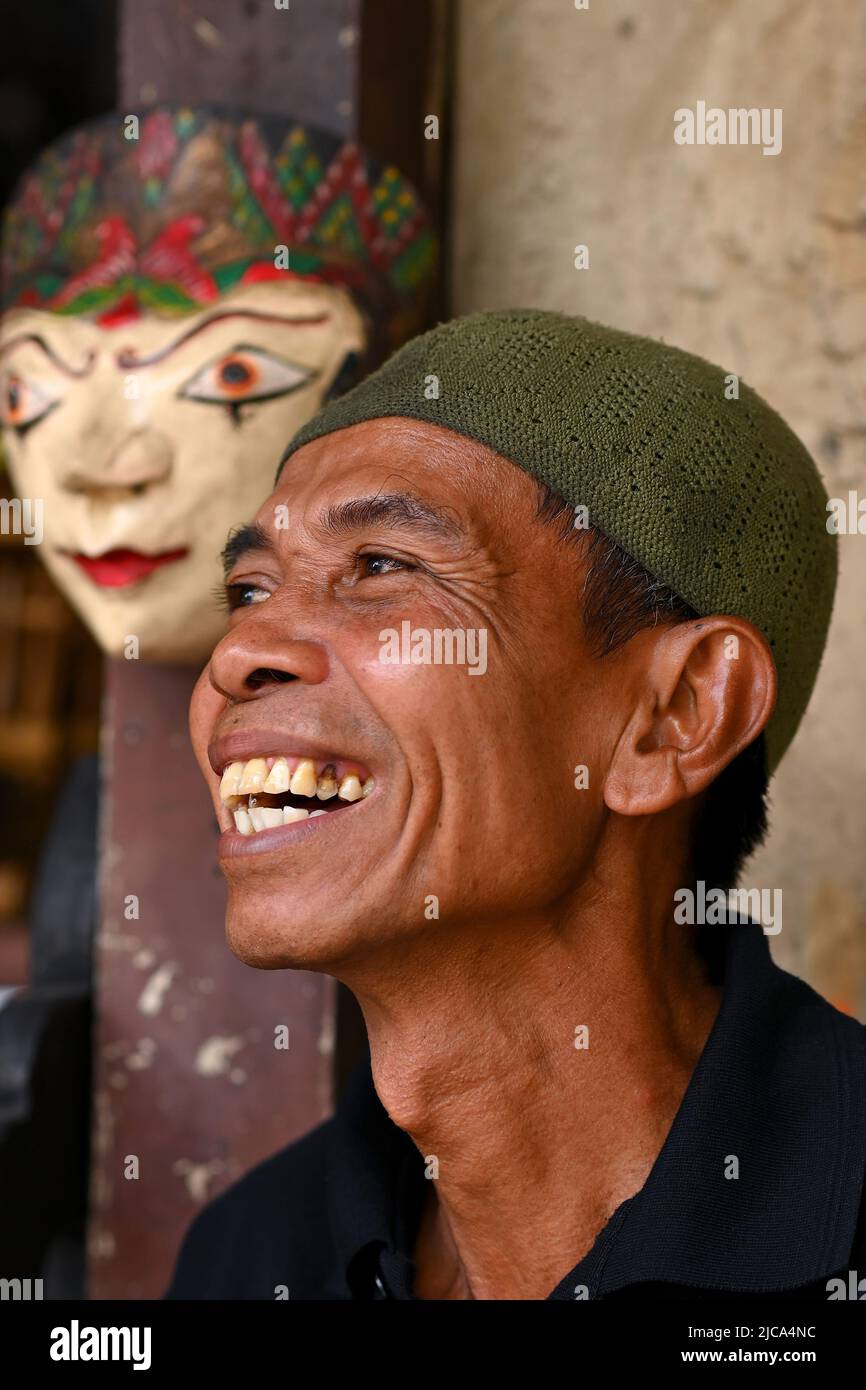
x=180, y=293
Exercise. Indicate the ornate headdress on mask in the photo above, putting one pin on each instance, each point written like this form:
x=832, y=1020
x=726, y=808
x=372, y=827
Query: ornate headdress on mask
x=170, y=210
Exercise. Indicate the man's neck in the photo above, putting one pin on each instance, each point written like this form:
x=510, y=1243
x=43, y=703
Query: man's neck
x=538, y=1067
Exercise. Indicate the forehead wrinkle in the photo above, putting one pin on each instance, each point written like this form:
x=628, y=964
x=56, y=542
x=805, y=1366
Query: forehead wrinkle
x=393, y=511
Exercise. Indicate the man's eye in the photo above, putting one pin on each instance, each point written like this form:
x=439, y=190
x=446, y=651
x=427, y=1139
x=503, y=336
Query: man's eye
x=242, y=595
x=371, y=565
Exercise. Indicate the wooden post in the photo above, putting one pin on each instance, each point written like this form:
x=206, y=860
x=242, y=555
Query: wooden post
x=190, y=1090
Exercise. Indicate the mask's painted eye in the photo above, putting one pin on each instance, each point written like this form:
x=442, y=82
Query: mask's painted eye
x=245, y=374
x=22, y=403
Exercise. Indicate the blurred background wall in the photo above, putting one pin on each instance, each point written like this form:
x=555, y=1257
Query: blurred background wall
x=565, y=121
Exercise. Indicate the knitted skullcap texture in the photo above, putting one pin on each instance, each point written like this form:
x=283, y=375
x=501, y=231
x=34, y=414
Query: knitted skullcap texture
x=715, y=497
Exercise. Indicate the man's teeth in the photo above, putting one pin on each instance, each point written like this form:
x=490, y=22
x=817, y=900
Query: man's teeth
x=278, y=776
x=253, y=775
x=266, y=817
x=230, y=784
x=326, y=787
x=278, y=779
x=350, y=787
x=304, y=779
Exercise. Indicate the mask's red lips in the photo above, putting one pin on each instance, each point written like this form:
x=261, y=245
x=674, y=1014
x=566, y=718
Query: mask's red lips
x=116, y=568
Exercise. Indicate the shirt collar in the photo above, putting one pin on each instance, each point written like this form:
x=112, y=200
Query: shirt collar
x=780, y=1087
x=778, y=1095
x=371, y=1163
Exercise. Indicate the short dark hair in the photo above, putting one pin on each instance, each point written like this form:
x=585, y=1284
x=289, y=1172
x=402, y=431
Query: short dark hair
x=620, y=599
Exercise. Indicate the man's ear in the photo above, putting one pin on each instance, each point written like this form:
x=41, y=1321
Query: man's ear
x=705, y=690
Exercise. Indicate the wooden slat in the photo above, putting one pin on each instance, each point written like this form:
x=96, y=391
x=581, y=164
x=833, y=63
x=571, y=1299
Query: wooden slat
x=189, y=1081
x=300, y=61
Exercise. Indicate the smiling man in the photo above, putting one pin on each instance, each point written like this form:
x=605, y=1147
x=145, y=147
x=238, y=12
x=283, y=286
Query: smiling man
x=571, y=1092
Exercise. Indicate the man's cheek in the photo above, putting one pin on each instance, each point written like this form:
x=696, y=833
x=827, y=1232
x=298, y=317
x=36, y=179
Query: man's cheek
x=404, y=650
x=205, y=707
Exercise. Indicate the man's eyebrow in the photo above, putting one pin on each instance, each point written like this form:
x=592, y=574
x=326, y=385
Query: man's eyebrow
x=242, y=541
x=128, y=357
x=391, y=510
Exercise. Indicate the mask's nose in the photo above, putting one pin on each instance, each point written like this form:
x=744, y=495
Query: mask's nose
x=142, y=462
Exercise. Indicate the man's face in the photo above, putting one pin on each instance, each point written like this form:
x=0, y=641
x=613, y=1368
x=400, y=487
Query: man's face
x=396, y=527
x=146, y=441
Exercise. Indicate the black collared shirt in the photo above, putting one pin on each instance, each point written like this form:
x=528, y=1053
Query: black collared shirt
x=780, y=1087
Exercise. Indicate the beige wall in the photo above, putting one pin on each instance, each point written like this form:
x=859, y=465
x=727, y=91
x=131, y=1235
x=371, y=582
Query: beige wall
x=564, y=135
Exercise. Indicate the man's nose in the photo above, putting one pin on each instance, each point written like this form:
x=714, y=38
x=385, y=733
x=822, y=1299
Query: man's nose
x=142, y=461
x=258, y=656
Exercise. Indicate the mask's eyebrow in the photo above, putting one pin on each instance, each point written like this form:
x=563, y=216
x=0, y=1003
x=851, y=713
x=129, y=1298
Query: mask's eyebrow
x=129, y=357
x=391, y=510
x=50, y=353
x=242, y=541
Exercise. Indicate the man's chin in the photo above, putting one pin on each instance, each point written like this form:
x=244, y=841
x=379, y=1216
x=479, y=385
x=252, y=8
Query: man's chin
x=297, y=945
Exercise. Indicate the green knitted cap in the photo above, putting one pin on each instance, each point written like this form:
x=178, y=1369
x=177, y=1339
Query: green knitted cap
x=715, y=497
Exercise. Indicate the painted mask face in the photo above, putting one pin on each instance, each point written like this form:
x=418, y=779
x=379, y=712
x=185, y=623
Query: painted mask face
x=148, y=440
x=180, y=294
